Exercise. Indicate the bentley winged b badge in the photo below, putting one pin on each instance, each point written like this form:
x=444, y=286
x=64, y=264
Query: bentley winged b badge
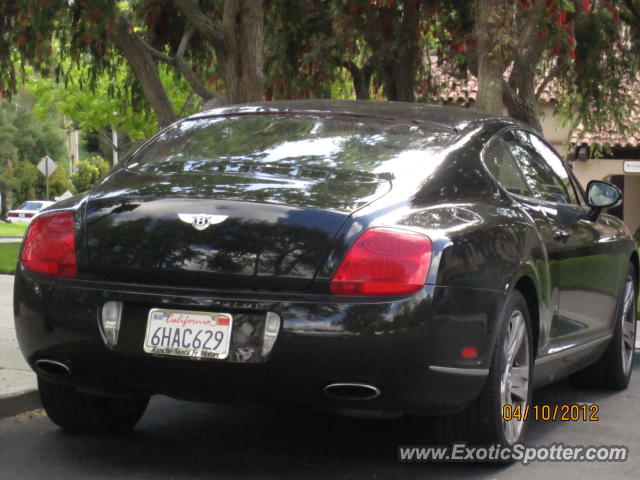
x=200, y=221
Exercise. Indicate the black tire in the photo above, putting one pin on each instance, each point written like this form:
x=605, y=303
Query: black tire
x=612, y=371
x=482, y=422
x=81, y=412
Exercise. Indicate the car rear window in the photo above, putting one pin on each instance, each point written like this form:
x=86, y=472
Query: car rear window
x=31, y=206
x=287, y=145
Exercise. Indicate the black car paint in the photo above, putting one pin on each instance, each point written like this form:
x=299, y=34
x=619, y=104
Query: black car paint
x=485, y=243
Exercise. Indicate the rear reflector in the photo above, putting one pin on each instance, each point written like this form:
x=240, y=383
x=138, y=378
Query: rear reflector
x=49, y=246
x=111, y=316
x=384, y=261
x=469, y=352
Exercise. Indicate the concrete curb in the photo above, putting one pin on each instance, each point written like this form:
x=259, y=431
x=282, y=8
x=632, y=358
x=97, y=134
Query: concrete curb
x=19, y=402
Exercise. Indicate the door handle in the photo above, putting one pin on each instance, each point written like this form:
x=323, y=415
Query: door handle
x=560, y=234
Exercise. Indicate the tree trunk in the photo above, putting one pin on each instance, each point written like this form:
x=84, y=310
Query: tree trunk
x=519, y=94
x=241, y=61
x=495, y=36
x=397, y=56
x=238, y=41
x=523, y=107
x=398, y=79
x=145, y=70
x=361, y=77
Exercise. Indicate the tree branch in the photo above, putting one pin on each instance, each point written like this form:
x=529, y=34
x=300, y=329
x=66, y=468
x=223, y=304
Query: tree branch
x=193, y=79
x=157, y=54
x=553, y=73
x=634, y=9
x=179, y=63
x=133, y=49
x=210, y=29
x=530, y=26
x=184, y=41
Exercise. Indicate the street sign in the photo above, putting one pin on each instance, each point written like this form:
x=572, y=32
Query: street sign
x=47, y=167
x=631, y=166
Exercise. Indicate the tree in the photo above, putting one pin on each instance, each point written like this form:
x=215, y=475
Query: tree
x=101, y=33
x=495, y=33
x=307, y=41
x=8, y=160
x=237, y=38
x=24, y=140
x=98, y=108
x=578, y=46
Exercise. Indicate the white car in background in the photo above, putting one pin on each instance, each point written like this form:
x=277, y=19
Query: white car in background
x=27, y=210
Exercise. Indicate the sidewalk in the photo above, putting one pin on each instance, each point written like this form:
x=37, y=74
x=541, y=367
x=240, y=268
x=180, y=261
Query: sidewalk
x=17, y=380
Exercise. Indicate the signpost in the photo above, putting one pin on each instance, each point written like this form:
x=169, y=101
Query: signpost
x=631, y=166
x=47, y=167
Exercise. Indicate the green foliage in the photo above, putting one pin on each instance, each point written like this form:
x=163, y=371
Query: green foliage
x=24, y=140
x=89, y=172
x=601, y=84
x=92, y=108
x=301, y=49
x=66, y=55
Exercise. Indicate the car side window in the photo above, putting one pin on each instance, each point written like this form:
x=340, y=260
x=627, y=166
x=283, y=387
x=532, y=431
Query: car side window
x=500, y=164
x=543, y=180
x=556, y=164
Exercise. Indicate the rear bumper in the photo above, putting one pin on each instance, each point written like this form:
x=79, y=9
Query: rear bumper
x=408, y=348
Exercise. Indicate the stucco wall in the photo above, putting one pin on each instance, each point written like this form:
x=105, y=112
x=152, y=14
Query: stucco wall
x=554, y=132
x=631, y=205
x=596, y=169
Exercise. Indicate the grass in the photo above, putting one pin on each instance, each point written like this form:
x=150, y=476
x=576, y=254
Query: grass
x=13, y=229
x=9, y=257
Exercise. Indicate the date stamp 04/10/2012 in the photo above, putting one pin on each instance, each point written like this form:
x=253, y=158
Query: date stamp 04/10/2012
x=580, y=412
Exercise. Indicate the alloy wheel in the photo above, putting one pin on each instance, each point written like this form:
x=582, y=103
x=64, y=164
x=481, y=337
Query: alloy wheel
x=628, y=325
x=514, y=382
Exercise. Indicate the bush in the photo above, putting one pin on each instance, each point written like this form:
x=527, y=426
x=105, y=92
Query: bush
x=89, y=172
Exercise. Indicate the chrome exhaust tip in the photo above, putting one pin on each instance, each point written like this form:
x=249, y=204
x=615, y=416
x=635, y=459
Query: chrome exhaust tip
x=351, y=391
x=53, y=368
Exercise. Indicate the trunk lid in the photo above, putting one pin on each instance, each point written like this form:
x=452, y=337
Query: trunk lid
x=220, y=231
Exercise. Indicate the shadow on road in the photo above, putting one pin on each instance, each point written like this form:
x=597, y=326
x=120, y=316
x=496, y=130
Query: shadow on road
x=180, y=439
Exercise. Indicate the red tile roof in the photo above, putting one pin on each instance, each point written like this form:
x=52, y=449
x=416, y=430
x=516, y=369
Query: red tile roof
x=464, y=91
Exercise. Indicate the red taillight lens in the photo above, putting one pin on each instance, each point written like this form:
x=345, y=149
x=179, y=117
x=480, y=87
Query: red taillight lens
x=12, y=214
x=49, y=246
x=384, y=261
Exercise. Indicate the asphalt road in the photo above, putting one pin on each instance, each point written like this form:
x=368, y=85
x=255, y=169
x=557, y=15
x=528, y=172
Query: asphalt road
x=190, y=440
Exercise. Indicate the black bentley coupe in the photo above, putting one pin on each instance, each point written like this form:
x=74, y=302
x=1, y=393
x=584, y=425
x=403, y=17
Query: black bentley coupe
x=370, y=257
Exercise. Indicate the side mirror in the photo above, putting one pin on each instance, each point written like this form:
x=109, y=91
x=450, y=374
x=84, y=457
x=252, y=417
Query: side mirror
x=602, y=195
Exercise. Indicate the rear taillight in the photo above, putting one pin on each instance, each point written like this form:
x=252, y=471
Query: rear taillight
x=12, y=214
x=384, y=261
x=49, y=246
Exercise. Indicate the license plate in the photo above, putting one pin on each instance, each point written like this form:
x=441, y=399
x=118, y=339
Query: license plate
x=188, y=334
x=21, y=215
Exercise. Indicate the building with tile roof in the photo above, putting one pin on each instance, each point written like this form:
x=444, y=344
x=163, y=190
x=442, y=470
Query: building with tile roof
x=607, y=155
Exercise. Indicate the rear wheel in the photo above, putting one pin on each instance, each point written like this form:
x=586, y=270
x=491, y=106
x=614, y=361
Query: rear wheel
x=506, y=391
x=82, y=412
x=613, y=370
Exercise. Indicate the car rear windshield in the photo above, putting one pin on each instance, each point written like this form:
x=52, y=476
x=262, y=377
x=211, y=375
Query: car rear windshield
x=288, y=145
x=31, y=206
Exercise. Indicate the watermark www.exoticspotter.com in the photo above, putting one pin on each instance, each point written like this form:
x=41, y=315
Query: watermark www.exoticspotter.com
x=557, y=452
